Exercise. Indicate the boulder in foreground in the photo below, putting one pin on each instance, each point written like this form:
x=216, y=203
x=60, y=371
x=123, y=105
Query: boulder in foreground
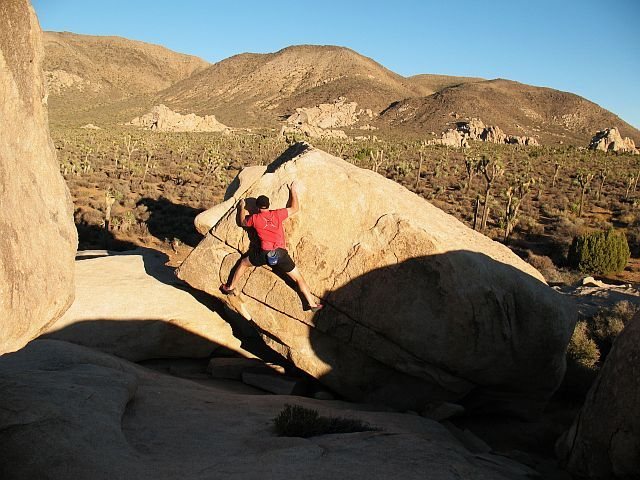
x=70, y=412
x=604, y=441
x=420, y=308
x=36, y=285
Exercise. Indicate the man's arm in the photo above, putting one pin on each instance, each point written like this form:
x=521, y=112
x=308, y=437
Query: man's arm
x=243, y=213
x=294, y=204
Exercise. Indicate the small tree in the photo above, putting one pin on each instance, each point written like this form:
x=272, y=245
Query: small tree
x=583, y=179
x=491, y=170
x=515, y=196
x=599, y=252
x=556, y=170
x=377, y=159
x=604, y=172
x=471, y=165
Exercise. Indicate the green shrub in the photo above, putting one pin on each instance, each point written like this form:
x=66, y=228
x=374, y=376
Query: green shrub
x=599, y=252
x=297, y=421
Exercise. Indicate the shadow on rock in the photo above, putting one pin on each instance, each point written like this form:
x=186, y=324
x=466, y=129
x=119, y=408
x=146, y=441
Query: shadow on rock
x=458, y=326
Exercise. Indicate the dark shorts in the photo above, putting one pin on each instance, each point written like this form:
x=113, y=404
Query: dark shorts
x=258, y=258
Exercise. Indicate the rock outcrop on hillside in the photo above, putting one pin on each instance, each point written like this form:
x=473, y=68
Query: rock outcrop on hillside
x=73, y=413
x=474, y=129
x=36, y=286
x=164, y=119
x=322, y=120
x=604, y=441
x=330, y=115
x=131, y=305
x=610, y=140
x=419, y=307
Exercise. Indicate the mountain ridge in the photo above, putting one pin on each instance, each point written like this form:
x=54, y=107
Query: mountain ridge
x=261, y=89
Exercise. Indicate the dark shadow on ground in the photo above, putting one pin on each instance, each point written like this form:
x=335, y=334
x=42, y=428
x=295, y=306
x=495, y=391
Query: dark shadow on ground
x=168, y=220
x=94, y=237
x=152, y=342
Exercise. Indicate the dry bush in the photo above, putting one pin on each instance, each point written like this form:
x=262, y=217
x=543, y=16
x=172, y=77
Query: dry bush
x=582, y=363
x=530, y=225
x=567, y=228
x=582, y=350
x=608, y=323
x=298, y=421
x=546, y=267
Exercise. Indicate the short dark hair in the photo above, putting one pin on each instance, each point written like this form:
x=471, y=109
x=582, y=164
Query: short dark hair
x=262, y=201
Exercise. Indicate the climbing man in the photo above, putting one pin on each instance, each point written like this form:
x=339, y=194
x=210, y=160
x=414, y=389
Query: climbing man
x=272, y=250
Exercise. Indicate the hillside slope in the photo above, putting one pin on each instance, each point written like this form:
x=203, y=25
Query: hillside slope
x=84, y=72
x=254, y=89
x=550, y=115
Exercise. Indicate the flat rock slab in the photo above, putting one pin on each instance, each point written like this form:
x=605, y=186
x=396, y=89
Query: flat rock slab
x=130, y=304
x=72, y=412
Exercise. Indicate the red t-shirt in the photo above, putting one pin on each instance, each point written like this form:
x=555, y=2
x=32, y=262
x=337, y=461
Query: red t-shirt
x=268, y=225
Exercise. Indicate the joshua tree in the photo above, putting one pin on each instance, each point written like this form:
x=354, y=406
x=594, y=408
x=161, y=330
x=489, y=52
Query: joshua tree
x=476, y=211
x=377, y=159
x=423, y=145
x=491, y=170
x=631, y=179
x=583, y=179
x=556, y=170
x=147, y=164
x=471, y=165
x=602, y=175
x=515, y=196
x=131, y=146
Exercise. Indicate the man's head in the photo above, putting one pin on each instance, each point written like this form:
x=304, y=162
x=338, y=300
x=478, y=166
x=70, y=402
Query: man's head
x=262, y=202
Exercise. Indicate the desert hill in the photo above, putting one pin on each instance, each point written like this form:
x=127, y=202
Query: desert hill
x=84, y=71
x=255, y=89
x=551, y=115
x=112, y=80
x=434, y=83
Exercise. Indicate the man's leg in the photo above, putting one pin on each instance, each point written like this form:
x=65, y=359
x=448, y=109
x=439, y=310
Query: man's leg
x=297, y=277
x=240, y=268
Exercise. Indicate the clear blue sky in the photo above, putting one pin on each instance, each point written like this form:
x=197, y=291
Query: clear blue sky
x=588, y=47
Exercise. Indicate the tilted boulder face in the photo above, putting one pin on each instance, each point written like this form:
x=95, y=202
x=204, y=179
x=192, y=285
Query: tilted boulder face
x=604, y=441
x=164, y=119
x=38, y=238
x=610, y=140
x=419, y=307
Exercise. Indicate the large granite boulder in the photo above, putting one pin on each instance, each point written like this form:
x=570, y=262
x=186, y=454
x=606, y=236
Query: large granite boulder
x=131, y=305
x=38, y=238
x=604, y=441
x=419, y=307
x=68, y=412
